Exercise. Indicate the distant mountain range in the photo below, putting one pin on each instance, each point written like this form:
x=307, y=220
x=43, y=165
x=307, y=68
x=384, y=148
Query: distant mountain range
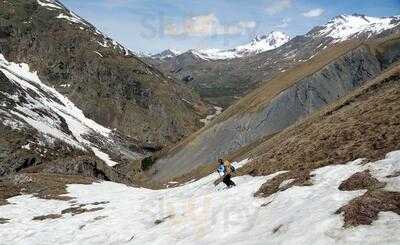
x=259, y=44
x=223, y=76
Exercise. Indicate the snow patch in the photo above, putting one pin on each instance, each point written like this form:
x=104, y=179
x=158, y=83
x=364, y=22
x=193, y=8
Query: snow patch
x=72, y=18
x=27, y=146
x=65, y=85
x=207, y=120
x=103, y=156
x=286, y=183
x=98, y=53
x=51, y=4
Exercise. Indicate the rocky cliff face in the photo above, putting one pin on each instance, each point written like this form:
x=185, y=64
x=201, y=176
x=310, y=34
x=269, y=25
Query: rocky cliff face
x=107, y=81
x=281, y=102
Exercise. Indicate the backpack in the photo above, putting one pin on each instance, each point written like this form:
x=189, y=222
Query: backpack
x=221, y=169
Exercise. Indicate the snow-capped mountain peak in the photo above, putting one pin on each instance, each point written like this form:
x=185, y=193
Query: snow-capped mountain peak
x=344, y=27
x=259, y=44
x=168, y=53
x=262, y=43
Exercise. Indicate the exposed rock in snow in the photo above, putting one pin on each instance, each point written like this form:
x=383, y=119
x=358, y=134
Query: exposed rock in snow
x=199, y=213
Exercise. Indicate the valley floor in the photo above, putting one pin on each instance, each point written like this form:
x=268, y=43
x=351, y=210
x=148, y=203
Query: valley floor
x=200, y=213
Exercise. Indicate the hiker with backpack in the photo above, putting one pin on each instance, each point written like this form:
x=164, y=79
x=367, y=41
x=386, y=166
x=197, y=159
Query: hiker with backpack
x=225, y=169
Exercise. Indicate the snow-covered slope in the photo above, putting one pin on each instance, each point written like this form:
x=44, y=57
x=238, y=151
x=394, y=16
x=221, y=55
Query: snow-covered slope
x=33, y=104
x=344, y=27
x=199, y=213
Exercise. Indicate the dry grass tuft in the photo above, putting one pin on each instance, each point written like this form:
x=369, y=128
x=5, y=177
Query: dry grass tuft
x=360, y=181
x=394, y=175
x=364, y=210
x=4, y=221
x=49, y=216
x=79, y=210
x=45, y=186
x=297, y=177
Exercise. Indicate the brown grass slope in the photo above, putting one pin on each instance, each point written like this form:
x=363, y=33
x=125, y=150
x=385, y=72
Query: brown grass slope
x=364, y=124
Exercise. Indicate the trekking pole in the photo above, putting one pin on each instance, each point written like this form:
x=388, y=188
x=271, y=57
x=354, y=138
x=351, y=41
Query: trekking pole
x=205, y=184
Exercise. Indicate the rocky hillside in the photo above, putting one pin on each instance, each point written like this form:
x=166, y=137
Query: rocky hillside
x=362, y=124
x=283, y=101
x=222, y=82
x=107, y=81
x=41, y=127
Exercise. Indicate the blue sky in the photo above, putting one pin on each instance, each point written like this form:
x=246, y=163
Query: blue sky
x=155, y=25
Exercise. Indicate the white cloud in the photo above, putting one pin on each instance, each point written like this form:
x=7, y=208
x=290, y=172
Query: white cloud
x=285, y=23
x=207, y=25
x=276, y=6
x=313, y=13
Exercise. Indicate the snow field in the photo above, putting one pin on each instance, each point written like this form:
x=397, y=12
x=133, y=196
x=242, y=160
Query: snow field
x=199, y=213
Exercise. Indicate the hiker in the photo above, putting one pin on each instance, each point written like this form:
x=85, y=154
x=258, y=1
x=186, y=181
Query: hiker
x=225, y=169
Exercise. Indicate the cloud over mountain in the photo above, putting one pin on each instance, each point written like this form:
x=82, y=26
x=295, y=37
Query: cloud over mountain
x=313, y=13
x=207, y=25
